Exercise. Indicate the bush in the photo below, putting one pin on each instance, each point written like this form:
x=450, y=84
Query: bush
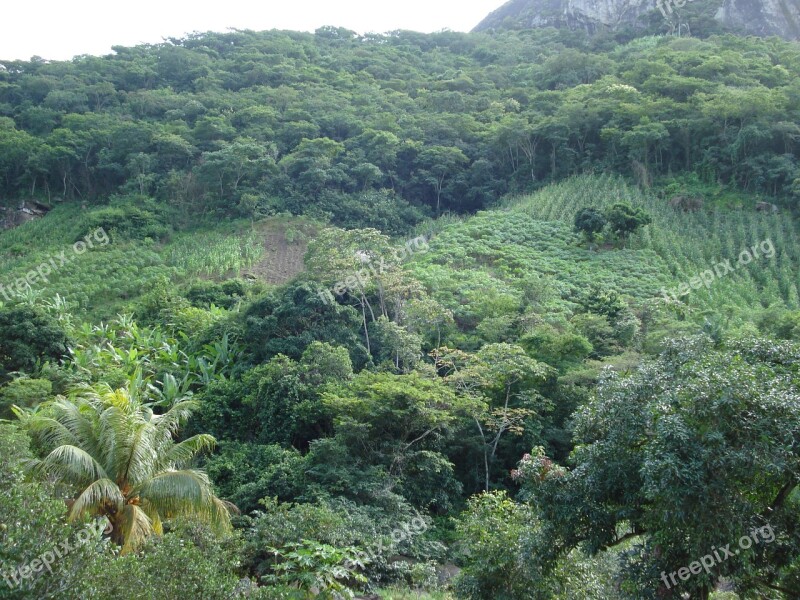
x=28, y=336
x=23, y=392
x=491, y=531
x=224, y=295
x=246, y=473
x=186, y=563
x=131, y=218
x=33, y=522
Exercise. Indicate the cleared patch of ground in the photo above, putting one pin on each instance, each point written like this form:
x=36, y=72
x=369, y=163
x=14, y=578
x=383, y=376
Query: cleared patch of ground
x=285, y=243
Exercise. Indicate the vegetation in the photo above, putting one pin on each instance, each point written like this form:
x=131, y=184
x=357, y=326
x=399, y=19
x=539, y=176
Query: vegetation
x=124, y=463
x=418, y=316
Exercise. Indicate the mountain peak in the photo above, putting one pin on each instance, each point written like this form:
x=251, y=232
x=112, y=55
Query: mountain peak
x=752, y=17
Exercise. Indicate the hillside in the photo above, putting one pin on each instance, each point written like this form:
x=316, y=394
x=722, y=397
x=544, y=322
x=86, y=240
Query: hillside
x=507, y=315
x=385, y=130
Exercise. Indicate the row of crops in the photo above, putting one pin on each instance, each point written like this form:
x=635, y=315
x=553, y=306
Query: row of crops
x=102, y=279
x=689, y=243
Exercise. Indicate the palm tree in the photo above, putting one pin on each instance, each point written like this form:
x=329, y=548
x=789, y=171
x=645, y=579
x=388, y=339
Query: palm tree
x=122, y=461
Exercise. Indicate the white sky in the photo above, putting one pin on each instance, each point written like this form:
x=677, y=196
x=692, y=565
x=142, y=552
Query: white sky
x=61, y=29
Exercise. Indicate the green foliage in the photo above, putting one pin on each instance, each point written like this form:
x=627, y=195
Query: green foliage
x=277, y=402
x=448, y=121
x=23, y=392
x=31, y=523
x=117, y=459
x=134, y=218
x=707, y=457
x=780, y=323
x=590, y=221
x=492, y=530
x=380, y=533
x=399, y=422
x=333, y=404
x=245, y=473
x=215, y=253
x=679, y=246
x=320, y=570
x=289, y=320
x=624, y=219
x=277, y=525
x=377, y=209
x=227, y=294
x=559, y=349
x=188, y=560
x=28, y=337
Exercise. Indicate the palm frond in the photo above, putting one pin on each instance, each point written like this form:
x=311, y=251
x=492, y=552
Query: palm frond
x=170, y=421
x=142, y=458
x=179, y=455
x=186, y=493
x=72, y=465
x=113, y=429
x=49, y=431
x=155, y=518
x=135, y=527
x=99, y=492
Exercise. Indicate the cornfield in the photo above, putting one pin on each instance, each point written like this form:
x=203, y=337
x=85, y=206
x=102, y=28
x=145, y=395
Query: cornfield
x=691, y=242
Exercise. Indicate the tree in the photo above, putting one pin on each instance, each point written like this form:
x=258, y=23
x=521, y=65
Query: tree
x=706, y=457
x=590, y=222
x=311, y=164
x=277, y=402
x=355, y=261
x=437, y=163
x=29, y=336
x=122, y=461
x=625, y=219
x=399, y=422
x=505, y=378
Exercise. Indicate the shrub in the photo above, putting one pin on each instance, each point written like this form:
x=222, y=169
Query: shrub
x=28, y=336
x=23, y=392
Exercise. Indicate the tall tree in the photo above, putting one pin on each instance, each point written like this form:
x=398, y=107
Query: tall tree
x=121, y=460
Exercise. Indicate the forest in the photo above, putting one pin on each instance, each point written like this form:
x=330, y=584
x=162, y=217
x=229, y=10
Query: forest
x=489, y=316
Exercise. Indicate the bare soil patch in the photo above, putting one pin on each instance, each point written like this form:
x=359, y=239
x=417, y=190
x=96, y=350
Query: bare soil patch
x=285, y=245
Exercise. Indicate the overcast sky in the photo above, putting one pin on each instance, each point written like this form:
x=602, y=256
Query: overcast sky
x=62, y=29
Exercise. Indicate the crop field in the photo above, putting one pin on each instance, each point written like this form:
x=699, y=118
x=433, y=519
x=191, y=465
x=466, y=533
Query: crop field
x=105, y=277
x=689, y=243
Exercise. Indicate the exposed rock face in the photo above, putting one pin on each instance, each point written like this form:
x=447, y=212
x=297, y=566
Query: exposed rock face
x=27, y=211
x=757, y=17
x=763, y=17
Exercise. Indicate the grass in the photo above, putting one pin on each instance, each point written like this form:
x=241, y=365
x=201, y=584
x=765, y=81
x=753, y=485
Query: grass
x=397, y=593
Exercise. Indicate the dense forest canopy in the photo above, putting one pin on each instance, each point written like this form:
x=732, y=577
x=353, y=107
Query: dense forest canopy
x=487, y=316
x=247, y=121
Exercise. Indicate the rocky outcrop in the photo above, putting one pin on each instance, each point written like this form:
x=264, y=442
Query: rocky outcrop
x=27, y=211
x=763, y=17
x=757, y=17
